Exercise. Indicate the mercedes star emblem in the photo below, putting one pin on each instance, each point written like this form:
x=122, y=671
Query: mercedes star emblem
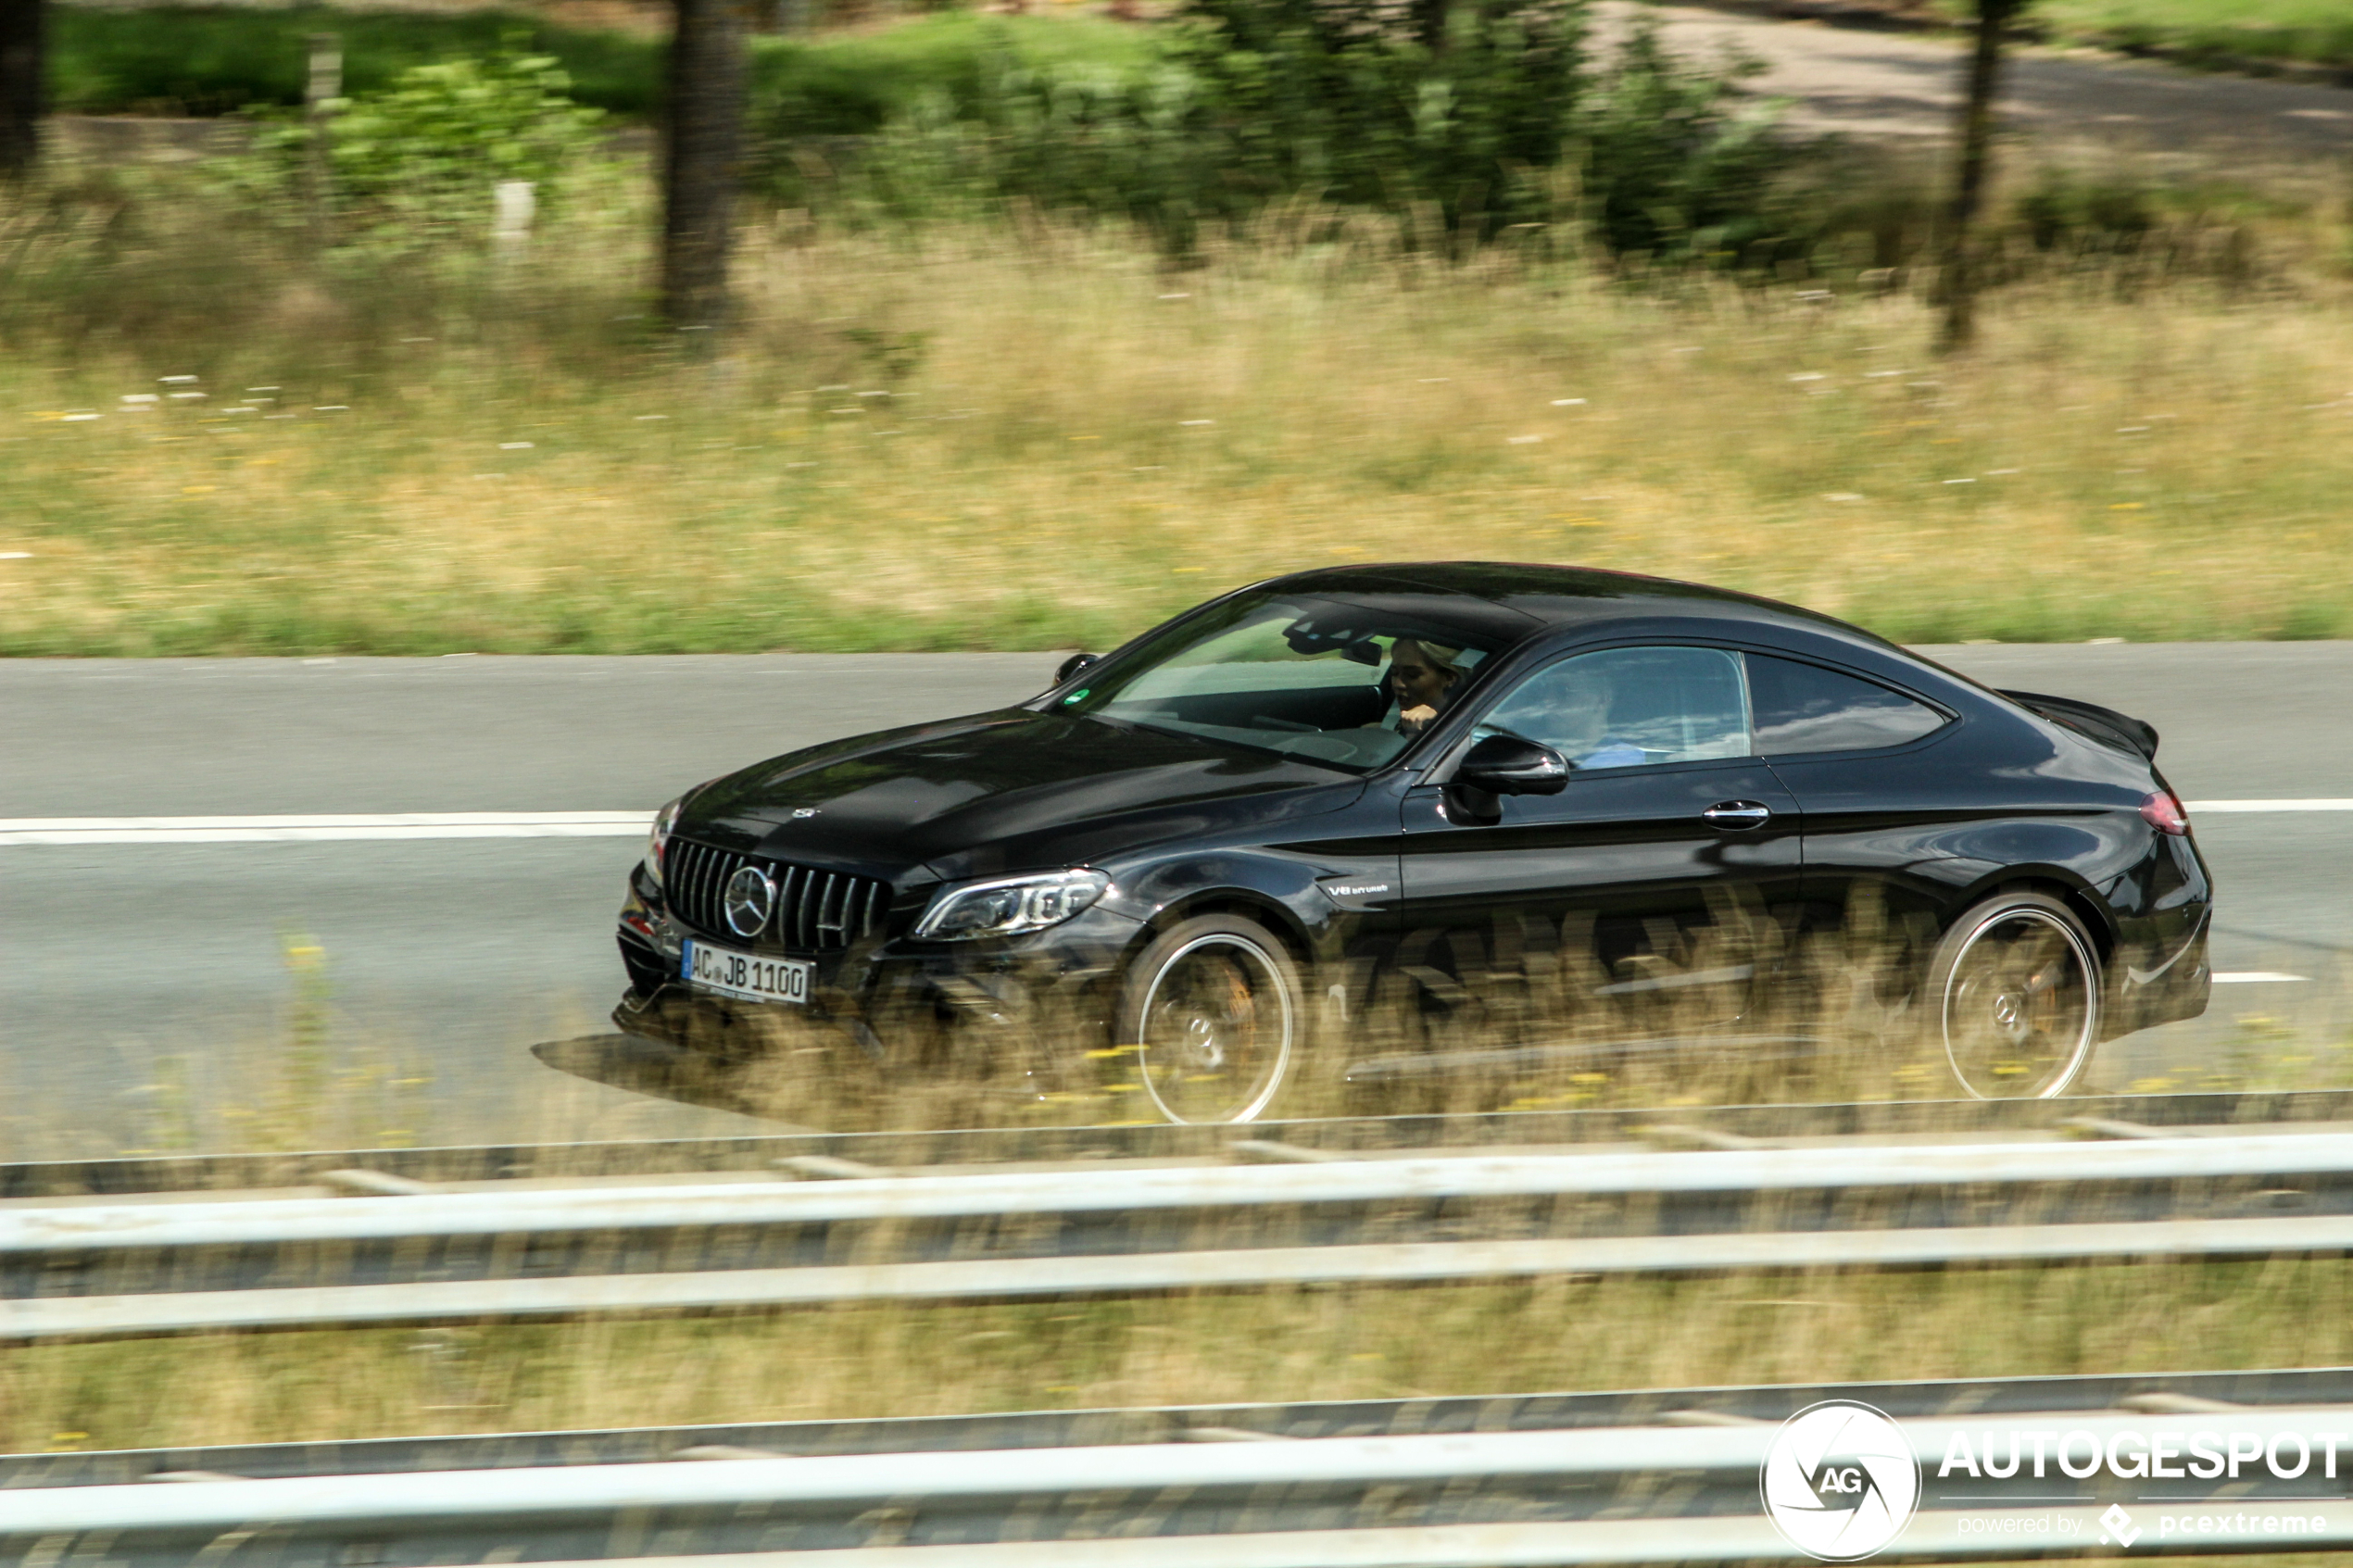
x=750, y=900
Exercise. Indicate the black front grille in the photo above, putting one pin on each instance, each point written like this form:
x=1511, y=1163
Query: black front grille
x=816, y=911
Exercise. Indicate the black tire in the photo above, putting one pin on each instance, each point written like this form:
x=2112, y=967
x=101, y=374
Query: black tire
x=1216, y=1017
x=2016, y=987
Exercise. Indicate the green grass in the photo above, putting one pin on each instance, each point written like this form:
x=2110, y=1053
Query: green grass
x=2222, y=42
x=208, y=60
x=2315, y=31
x=205, y=60
x=852, y=83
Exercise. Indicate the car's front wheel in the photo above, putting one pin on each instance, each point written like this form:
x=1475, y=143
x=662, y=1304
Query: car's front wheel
x=1214, y=1012
x=2017, y=985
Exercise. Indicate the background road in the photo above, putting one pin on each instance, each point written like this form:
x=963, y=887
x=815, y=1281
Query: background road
x=131, y=974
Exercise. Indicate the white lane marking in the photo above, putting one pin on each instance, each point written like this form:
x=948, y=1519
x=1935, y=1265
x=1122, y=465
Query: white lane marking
x=2268, y=805
x=2259, y=977
x=316, y=829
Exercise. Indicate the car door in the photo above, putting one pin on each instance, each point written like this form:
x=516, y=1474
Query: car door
x=1643, y=898
x=1879, y=795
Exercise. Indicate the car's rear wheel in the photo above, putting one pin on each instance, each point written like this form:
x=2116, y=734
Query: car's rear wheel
x=1214, y=1012
x=2017, y=985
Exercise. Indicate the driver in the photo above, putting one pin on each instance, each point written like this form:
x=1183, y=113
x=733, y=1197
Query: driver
x=1422, y=680
x=1568, y=708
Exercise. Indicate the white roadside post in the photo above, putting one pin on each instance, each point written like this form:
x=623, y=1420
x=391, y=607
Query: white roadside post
x=517, y=204
x=320, y=91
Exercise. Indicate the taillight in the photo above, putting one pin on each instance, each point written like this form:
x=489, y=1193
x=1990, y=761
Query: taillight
x=2164, y=813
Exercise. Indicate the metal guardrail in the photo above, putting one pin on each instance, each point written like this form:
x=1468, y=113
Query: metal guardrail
x=1130, y=1192
x=97, y=1270
x=1631, y=1478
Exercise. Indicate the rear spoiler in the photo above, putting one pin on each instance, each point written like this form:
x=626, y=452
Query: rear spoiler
x=2103, y=724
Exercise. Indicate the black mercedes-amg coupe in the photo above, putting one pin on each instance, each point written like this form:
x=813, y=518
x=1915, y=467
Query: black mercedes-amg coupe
x=1216, y=845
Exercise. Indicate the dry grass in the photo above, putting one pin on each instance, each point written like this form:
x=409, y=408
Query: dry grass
x=869, y=1360
x=981, y=437
x=1829, y=1020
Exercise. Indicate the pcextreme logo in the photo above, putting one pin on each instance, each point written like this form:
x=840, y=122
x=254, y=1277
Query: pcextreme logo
x=1840, y=1481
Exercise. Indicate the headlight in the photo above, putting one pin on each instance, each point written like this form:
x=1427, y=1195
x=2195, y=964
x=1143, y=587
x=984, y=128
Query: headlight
x=665, y=819
x=1009, y=905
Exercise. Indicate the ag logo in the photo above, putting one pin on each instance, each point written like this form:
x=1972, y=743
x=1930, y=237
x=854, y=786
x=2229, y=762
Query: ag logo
x=1840, y=1481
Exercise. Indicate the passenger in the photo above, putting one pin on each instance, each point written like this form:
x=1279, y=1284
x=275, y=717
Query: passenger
x=1422, y=680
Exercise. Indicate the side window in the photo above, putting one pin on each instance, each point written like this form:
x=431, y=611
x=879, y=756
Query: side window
x=1629, y=707
x=1805, y=707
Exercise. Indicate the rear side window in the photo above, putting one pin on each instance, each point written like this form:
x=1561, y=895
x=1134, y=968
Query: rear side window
x=1802, y=707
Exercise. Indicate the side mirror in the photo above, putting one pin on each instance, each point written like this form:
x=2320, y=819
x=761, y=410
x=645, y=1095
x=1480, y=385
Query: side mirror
x=1073, y=665
x=1508, y=765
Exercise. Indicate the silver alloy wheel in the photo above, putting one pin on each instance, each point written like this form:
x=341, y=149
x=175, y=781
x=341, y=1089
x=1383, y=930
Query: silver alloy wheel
x=1218, y=1023
x=2021, y=999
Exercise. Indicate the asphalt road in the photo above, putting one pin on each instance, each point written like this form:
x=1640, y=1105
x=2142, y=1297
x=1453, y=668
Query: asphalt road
x=135, y=978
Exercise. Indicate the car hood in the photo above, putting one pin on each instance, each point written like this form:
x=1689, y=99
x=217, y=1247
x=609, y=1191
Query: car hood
x=1003, y=792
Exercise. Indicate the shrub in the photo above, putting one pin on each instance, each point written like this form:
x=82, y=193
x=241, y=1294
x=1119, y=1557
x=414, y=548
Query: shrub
x=419, y=163
x=2063, y=214
x=1678, y=161
x=1335, y=101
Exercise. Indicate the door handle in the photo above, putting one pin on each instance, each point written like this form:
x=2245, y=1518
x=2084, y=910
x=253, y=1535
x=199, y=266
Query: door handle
x=1737, y=815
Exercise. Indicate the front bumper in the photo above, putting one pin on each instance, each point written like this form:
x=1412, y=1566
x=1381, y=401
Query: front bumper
x=876, y=990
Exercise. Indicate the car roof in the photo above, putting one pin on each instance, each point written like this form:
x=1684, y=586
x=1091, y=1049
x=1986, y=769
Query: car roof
x=1561, y=597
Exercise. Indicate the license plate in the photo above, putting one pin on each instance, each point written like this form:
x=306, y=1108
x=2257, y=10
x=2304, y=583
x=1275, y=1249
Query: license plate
x=744, y=975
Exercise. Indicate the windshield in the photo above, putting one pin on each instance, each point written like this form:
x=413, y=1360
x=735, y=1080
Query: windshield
x=1345, y=684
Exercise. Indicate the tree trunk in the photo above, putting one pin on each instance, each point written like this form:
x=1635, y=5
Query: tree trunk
x=1429, y=23
x=1959, y=281
x=702, y=147
x=21, y=98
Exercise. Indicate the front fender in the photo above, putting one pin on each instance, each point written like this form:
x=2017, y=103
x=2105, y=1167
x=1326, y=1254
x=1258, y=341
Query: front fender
x=1282, y=890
